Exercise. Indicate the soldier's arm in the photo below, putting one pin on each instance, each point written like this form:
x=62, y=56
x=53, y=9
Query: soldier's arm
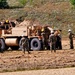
x=73, y=35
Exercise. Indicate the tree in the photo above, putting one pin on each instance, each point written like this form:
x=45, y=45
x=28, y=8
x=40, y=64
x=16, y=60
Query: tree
x=72, y=2
x=3, y=4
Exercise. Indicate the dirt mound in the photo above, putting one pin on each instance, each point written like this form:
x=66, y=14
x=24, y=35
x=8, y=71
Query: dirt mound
x=28, y=23
x=24, y=23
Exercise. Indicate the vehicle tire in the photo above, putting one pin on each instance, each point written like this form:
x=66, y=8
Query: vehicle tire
x=35, y=44
x=14, y=47
x=2, y=45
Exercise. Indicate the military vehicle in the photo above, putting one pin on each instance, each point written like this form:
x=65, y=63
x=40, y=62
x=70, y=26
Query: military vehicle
x=11, y=37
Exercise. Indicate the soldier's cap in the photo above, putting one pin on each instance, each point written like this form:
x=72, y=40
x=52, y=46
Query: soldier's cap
x=7, y=21
x=42, y=29
x=52, y=31
x=69, y=30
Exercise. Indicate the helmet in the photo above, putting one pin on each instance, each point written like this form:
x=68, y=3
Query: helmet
x=42, y=29
x=6, y=21
x=69, y=30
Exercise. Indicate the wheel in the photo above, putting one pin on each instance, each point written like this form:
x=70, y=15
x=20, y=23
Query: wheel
x=14, y=47
x=35, y=44
x=2, y=45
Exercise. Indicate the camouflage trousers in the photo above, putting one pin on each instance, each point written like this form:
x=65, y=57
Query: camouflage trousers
x=53, y=47
x=71, y=44
x=25, y=48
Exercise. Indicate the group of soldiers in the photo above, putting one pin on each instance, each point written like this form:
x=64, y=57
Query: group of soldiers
x=54, y=42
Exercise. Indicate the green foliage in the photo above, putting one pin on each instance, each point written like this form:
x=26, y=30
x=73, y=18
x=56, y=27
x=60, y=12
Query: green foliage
x=3, y=4
x=31, y=1
x=23, y=2
x=72, y=2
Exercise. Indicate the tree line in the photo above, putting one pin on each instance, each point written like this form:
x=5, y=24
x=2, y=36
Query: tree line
x=3, y=4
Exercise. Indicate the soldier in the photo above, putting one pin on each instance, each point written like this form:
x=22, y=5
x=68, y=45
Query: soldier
x=71, y=35
x=25, y=45
x=43, y=38
x=58, y=42
x=7, y=24
x=52, y=39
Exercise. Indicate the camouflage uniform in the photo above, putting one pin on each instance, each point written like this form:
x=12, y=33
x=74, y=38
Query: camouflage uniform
x=24, y=44
x=52, y=39
x=71, y=35
x=43, y=39
x=58, y=42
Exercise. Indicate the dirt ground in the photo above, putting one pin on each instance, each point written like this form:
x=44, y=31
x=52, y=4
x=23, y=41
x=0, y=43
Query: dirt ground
x=17, y=61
